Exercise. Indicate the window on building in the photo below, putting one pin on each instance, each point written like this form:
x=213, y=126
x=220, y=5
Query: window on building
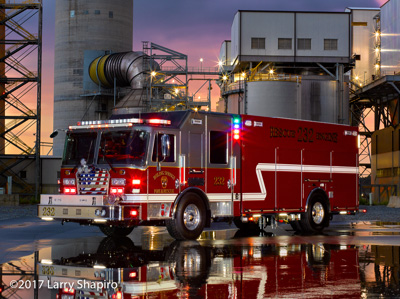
x=330, y=44
x=97, y=12
x=284, y=43
x=85, y=12
x=22, y=174
x=258, y=43
x=218, y=147
x=111, y=14
x=304, y=43
x=72, y=14
x=157, y=147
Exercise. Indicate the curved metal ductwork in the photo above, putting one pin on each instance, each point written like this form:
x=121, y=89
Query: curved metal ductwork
x=126, y=68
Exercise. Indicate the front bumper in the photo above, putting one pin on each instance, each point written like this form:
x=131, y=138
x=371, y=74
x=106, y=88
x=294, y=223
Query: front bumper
x=98, y=208
x=89, y=208
x=94, y=213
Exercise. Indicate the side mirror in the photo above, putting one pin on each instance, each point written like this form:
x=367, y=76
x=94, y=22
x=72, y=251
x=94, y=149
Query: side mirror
x=165, y=149
x=165, y=146
x=54, y=134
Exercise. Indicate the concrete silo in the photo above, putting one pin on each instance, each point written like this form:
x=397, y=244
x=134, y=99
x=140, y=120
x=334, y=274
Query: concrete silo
x=83, y=25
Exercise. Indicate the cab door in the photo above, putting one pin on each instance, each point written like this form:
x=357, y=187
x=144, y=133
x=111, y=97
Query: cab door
x=162, y=183
x=220, y=187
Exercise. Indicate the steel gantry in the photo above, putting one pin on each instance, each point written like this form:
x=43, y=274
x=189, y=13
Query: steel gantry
x=168, y=77
x=379, y=100
x=20, y=92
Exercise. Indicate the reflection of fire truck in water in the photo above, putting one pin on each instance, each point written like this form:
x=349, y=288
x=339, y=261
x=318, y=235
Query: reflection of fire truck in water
x=185, y=169
x=188, y=270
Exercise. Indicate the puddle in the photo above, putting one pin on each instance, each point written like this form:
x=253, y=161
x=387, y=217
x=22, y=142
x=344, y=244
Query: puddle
x=155, y=266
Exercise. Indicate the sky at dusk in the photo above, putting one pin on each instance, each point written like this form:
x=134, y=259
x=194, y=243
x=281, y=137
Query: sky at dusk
x=194, y=27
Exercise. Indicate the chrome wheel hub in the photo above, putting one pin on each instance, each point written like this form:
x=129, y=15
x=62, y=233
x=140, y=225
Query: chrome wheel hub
x=191, y=217
x=318, y=213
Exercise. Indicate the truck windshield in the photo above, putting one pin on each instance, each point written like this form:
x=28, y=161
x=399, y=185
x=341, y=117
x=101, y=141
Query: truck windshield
x=123, y=147
x=79, y=146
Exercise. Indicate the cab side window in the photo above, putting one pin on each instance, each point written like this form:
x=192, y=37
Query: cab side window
x=157, y=147
x=218, y=147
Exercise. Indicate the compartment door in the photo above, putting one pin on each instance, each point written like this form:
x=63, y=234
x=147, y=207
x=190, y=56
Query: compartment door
x=196, y=174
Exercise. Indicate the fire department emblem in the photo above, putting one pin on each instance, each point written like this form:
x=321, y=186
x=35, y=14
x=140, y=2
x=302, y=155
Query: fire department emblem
x=164, y=181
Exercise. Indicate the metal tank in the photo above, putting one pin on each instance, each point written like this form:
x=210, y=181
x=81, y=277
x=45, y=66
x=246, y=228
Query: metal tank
x=83, y=25
x=321, y=100
x=310, y=98
x=273, y=98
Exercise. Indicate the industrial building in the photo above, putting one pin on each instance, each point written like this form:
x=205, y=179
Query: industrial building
x=282, y=65
x=334, y=67
x=92, y=25
x=97, y=73
x=363, y=24
x=378, y=96
x=330, y=67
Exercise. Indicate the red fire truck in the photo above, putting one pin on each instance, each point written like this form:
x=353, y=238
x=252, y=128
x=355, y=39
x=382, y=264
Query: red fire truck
x=185, y=169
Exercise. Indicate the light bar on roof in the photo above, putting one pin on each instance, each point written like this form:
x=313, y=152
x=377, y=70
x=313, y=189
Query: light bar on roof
x=101, y=126
x=115, y=123
x=157, y=121
x=111, y=121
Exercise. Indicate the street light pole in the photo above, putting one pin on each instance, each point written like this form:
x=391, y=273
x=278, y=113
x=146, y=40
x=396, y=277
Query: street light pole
x=201, y=64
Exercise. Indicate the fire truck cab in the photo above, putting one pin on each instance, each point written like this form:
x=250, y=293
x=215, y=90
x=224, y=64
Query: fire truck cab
x=185, y=169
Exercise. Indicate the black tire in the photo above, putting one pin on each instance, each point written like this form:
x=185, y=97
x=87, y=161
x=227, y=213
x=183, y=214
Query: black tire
x=296, y=226
x=116, y=231
x=192, y=265
x=317, y=215
x=189, y=220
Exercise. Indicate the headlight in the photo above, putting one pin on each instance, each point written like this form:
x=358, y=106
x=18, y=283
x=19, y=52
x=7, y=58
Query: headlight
x=69, y=182
x=118, y=182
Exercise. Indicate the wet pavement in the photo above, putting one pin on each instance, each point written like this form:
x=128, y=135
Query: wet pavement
x=349, y=260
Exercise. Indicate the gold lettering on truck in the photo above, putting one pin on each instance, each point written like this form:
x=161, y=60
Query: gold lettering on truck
x=162, y=191
x=162, y=173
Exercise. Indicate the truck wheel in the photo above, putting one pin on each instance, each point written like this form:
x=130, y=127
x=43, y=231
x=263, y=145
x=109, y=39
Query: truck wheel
x=192, y=264
x=318, y=256
x=116, y=231
x=190, y=218
x=316, y=217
